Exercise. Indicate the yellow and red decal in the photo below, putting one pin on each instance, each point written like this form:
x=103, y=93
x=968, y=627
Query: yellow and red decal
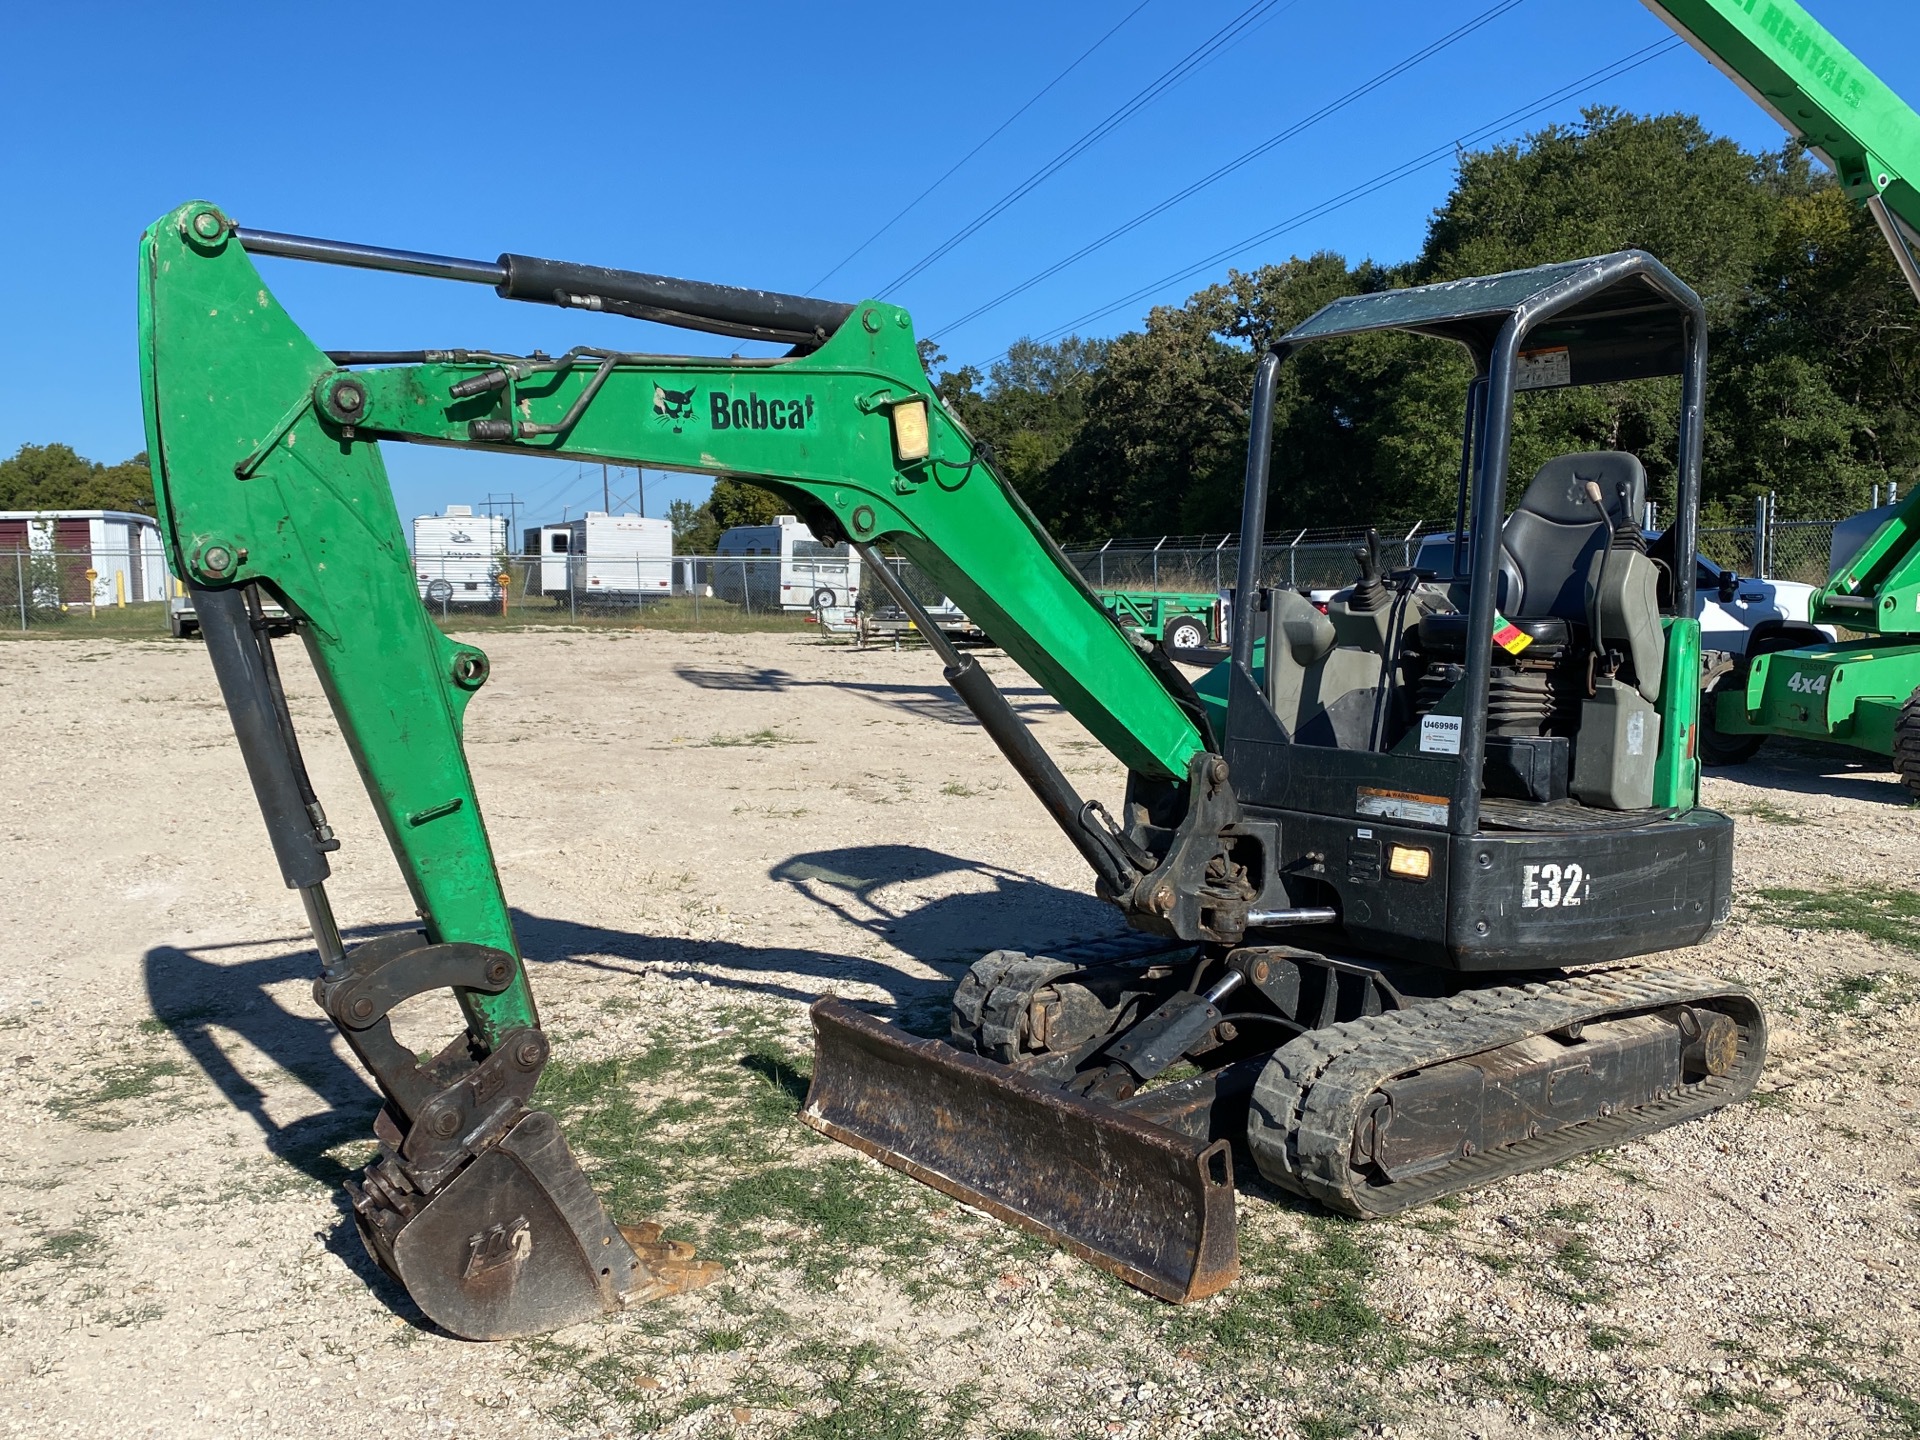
x=1509, y=636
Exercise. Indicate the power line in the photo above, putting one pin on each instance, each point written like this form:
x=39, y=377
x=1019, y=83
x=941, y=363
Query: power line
x=1214, y=43
x=1332, y=107
x=1604, y=74
x=1034, y=100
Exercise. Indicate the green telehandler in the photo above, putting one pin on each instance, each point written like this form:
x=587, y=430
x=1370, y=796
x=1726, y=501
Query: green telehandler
x=1862, y=692
x=1360, y=860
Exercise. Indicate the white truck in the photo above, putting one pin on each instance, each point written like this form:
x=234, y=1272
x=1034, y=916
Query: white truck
x=602, y=559
x=781, y=565
x=458, y=557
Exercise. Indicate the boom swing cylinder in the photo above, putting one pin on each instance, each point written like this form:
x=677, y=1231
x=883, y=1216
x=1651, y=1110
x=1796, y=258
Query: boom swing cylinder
x=1339, y=781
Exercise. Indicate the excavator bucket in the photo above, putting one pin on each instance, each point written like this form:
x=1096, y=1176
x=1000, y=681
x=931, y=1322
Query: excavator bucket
x=1148, y=1204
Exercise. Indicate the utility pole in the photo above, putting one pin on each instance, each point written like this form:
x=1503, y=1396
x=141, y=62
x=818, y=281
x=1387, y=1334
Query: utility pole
x=606, y=502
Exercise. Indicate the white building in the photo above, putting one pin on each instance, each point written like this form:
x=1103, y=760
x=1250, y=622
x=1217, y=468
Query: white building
x=121, y=548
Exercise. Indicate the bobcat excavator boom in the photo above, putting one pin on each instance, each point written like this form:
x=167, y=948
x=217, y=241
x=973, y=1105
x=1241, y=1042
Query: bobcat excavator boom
x=271, y=487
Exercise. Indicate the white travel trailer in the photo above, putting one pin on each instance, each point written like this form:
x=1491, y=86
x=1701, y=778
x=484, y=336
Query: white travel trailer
x=612, y=559
x=457, y=557
x=785, y=567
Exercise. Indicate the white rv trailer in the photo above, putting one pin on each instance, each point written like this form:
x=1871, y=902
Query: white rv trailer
x=794, y=570
x=457, y=556
x=616, y=559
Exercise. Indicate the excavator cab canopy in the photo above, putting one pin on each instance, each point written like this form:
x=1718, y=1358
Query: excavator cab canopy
x=1614, y=318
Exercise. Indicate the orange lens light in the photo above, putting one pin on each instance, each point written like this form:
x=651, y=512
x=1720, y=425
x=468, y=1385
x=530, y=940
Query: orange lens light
x=1410, y=862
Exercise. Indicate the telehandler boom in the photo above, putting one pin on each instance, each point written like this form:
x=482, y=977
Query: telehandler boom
x=1863, y=692
x=1444, y=792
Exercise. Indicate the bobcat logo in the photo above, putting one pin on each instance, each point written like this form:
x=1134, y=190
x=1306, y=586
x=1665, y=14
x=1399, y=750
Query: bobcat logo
x=673, y=406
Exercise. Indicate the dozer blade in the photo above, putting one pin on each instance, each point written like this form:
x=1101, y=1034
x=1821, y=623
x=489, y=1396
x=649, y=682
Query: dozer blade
x=517, y=1244
x=1149, y=1205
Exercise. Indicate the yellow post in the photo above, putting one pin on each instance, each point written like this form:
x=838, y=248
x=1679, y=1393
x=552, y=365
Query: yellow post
x=120, y=589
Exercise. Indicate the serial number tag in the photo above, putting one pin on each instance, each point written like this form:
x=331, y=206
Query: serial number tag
x=1440, y=734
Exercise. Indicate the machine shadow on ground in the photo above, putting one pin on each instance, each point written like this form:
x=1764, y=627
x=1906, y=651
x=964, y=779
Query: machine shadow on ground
x=932, y=701
x=193, y=996
x=196, y=993
x=1802, y=769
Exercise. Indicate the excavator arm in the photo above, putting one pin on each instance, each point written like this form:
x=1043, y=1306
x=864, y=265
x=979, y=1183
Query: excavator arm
x=266, y=461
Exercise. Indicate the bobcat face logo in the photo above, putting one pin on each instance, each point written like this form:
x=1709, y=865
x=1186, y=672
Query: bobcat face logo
x=673, y=406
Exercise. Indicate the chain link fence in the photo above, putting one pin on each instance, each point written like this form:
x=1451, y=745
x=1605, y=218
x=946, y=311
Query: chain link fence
x=43, y=586
x=1304, y=559
x=40, y=586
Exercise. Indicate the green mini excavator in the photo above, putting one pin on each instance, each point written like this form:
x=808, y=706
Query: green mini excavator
x=1385, y=867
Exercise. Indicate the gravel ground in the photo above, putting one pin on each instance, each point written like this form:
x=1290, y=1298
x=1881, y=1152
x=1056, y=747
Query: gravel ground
x=700, y=834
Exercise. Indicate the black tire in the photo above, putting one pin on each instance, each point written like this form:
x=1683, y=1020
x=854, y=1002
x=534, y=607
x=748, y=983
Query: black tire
x=1906, y=745
x=824, y=599
x=1183, y=632
x=1721, y=673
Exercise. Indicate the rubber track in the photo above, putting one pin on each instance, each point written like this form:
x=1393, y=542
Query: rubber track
x=1310, y=1097
x=1906, y=745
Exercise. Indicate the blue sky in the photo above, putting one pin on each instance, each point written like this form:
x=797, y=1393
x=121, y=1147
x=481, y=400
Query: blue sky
x=751, y=143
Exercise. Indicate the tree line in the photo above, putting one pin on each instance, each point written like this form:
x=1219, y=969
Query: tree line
x=53, y=477
x=1813, y=384
x=1812, y=388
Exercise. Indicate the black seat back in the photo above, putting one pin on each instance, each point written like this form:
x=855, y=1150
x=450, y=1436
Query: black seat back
x=1548, y=542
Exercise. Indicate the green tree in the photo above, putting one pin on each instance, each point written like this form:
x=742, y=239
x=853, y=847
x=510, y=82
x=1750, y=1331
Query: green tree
x=695, y=531
x=737, y=502
x=53, y=477
x=1813, y=383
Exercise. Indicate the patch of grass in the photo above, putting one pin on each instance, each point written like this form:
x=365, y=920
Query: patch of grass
x=1844, y=995
x=60, y=1247
x=1766, y=810
x=1605, y=1338
x=718, y=1152
x=1307, y=1293
x=963, y=792
x=680, y=613
x=1725, y=1402
x=1770, y=1100
x=136, y=1080
x=867, y=1403
x=757, y=738
x=1889, y=915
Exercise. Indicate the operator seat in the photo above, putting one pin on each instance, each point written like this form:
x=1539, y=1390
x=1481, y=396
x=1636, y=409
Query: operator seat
x=1549, y=541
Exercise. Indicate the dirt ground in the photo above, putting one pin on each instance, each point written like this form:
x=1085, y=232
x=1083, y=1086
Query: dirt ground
x=700, y=834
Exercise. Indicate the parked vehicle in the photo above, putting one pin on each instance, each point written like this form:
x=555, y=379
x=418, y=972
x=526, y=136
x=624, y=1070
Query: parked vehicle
x=183, y=622
x=608, y=559
x=1186, y=620
x=458, y=556
x=808, y=575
